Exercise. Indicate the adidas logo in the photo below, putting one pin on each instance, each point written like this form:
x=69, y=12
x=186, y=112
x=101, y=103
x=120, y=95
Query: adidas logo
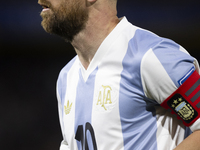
x=68, y=108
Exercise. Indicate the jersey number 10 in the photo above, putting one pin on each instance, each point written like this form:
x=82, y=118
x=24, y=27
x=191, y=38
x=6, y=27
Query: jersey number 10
x=80, y=136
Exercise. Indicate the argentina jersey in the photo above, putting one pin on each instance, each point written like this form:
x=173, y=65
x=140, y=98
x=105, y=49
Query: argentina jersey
x=115, y=103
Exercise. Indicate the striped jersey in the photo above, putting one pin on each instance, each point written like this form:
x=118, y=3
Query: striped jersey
x=115, y=103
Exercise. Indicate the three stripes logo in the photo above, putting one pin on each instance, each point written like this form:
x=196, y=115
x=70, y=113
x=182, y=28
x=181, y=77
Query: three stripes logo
x=68, y=108
x=185, y=101
x=197, y=95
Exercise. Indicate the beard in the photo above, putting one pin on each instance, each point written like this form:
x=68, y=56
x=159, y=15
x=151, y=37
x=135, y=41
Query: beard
x=66, y=21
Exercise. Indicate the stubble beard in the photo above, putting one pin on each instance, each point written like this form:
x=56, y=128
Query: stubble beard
x=66, y=21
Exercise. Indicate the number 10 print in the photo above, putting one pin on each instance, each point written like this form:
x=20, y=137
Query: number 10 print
x=80, y=136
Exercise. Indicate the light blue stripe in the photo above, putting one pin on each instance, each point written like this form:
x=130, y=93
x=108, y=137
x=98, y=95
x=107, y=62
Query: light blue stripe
x=180, y=106
x=84, y=103
x=62, y=81
x=176, y=63
x=187, y=132
x=137, y=113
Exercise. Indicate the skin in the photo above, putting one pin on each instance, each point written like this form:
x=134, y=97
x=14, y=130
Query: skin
x=101, y=20
x=191, y=142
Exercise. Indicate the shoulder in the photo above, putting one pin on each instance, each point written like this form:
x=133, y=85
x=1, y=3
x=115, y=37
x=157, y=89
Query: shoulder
x=162, y=63
x=162, y=66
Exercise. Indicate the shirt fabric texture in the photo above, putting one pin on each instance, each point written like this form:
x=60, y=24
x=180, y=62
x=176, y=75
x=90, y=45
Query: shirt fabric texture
x=115, y=103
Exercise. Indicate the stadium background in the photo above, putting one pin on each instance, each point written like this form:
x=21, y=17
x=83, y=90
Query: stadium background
x=31, y=59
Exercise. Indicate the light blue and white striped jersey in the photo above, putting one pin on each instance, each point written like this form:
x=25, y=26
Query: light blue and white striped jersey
x=115, y=103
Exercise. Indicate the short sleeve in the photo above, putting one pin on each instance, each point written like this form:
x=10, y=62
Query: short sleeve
x=162, y=67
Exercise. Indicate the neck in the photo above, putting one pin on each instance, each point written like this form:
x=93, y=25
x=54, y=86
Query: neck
x=87, y=42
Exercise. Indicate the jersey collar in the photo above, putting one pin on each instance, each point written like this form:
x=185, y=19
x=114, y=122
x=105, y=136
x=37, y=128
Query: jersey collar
x=104, y=48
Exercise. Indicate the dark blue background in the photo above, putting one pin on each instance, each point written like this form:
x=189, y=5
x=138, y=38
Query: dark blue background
x=31, y=59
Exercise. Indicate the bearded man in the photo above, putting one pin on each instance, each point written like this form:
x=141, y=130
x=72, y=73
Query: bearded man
x=116, y=93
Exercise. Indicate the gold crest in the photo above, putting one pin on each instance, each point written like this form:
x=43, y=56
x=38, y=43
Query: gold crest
x=185, y=111
x=104, y=96
x=182, y=107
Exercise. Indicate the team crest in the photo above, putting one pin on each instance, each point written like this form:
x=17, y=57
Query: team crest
x=182, y=108
x=105, y=98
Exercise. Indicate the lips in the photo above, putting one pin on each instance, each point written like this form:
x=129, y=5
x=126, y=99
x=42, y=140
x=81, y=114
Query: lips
x=44, y=5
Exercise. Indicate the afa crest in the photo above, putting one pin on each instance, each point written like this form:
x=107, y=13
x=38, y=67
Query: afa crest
x=182, y=108
x=105, y=98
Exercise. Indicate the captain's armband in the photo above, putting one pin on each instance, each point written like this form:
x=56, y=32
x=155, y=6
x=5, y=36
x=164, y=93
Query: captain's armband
x=185, y=101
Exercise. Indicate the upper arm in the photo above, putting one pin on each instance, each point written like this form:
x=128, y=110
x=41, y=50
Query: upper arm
x=191, y=142
x=163, y=69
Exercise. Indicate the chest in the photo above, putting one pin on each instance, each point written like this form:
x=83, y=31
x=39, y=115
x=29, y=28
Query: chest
x=106, y=95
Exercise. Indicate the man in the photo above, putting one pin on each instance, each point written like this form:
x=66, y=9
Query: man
x=115, y=93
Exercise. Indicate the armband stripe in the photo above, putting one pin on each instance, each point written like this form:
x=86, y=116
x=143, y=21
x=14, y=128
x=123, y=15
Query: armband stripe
x=192, y=88
x=185, y=101
x=195, y=97
x=198, y=105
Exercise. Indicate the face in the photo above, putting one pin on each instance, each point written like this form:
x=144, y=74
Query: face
x=65, y=18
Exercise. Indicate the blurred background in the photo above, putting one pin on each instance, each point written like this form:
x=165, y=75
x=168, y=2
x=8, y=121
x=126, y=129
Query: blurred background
x=30, y=61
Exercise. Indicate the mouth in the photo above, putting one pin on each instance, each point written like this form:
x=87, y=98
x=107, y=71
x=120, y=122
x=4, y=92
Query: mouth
x=44, y=6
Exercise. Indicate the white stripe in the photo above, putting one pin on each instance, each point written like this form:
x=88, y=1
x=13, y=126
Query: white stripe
x=170, y=130
x=106, y=77
x=156, y=82
x=158, y=86
x=72, y=81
